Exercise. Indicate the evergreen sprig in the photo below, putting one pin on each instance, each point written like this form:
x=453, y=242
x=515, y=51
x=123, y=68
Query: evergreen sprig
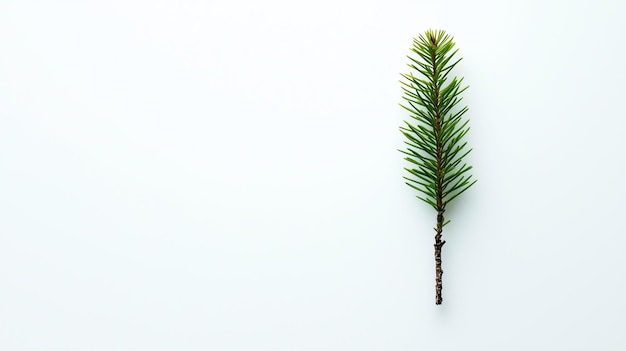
x=434, y=145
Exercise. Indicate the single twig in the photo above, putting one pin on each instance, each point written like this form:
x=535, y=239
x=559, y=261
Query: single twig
x=434, y=143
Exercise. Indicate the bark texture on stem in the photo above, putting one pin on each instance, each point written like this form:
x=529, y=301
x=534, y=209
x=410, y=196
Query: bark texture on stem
x=438, y=269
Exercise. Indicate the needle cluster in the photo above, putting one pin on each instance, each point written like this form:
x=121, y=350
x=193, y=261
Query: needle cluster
x=435, y=146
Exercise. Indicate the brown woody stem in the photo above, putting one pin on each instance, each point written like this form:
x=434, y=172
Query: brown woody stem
x=440, y=173
x=438, y=270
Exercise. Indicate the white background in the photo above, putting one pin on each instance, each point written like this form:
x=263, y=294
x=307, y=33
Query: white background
x=224, y=175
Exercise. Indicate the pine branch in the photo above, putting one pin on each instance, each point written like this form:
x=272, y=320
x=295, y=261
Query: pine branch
x=435, y=146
